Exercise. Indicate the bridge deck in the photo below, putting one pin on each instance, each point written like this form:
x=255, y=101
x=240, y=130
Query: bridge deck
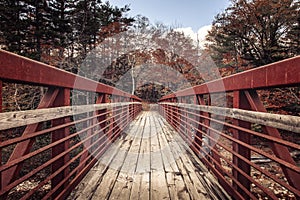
x=150, y=161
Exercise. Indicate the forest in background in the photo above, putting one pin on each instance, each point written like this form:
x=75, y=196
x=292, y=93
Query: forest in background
x=253, y=33
x=62, y=33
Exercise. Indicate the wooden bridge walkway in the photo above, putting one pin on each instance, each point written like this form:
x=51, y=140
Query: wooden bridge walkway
x=150, y=161
x=106, y=147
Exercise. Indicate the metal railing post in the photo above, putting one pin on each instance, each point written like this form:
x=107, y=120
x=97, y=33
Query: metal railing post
x=63, y=99
x=240, y=101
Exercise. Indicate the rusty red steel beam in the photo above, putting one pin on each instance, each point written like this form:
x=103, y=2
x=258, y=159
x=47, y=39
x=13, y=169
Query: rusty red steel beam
x=1, y=88
x=285, y=73
x=40, y=150
x=31, y=192
x=18, y=69
x=201, y=101
x=279, y=74
x=117, y=128
x=273, y=177
x=234, y=166
x=99, y=100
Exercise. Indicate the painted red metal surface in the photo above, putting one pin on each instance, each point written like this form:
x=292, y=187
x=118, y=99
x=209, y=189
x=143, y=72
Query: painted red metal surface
x=63, y=149
x=62, y=99
x=1, y=95
x=241, y=162
x=279, y=150
x=24, y=147
x=239, y=181
x=1, y=138
x=240, y=101
x=18, y=69
x=283, y=73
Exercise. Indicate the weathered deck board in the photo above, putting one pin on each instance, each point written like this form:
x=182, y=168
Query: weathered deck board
x=188, y=170
x=125, y=179
x=150, y=162
x=159, y=188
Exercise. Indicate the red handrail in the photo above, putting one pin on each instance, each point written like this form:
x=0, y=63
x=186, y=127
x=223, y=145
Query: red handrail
x=280, y=74
x=230, y=151
x=18, y=69
x=61, y=159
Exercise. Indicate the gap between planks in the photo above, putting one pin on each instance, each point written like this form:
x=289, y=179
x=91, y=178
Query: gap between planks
x=150, y=161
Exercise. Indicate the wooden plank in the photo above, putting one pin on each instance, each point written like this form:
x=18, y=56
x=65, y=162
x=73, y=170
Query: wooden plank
x=123, y=185
x=131, y=183
x=110, y=175
x=199, y=176
x=133, y=176
x=135, y=190
x=156, y=156
x=210, y=183
x=109, y=178
x=145, y=186
x=143, y=164
x=159, y=188
x=193, y=185
x=192, y=191
x=285, y=122
x=167, y=155
x=192, y=170
x=89, y=184
x=176, y=185
x=129, y=165
x=21, y=118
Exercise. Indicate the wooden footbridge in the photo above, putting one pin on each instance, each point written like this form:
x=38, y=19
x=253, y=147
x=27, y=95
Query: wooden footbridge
x=191, y=145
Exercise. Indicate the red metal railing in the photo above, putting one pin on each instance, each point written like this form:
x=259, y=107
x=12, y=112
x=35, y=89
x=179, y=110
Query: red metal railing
x=249, y=150
x=47, y=151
